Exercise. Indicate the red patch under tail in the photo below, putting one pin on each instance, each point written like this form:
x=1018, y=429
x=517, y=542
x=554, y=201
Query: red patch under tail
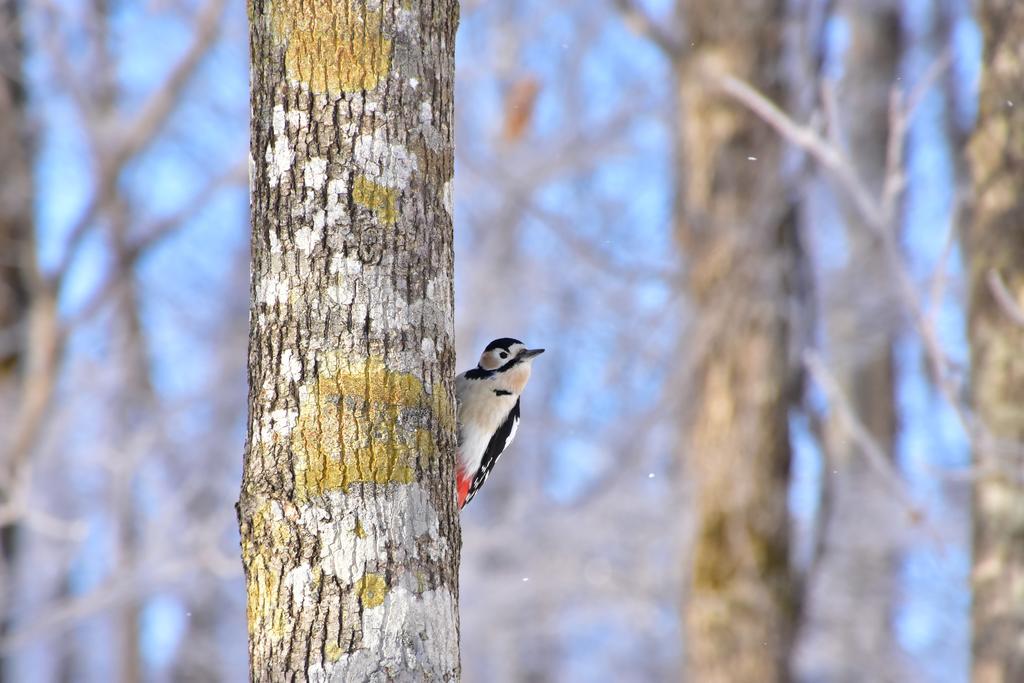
x=463, y=483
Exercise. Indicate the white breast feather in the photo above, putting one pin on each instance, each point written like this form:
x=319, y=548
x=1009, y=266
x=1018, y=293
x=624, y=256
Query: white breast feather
x=480, y=415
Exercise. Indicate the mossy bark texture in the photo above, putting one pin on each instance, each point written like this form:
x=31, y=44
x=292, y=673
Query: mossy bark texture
x=995, y=252
x=349, y=528
x=736, y=229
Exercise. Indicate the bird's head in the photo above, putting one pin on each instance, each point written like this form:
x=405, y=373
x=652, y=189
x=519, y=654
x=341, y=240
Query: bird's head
x=505, y=354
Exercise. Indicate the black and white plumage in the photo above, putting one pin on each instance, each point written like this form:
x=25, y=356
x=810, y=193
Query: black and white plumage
x=488, y=410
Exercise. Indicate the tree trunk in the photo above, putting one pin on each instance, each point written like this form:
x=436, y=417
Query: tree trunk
x=995, y=247
x=138, y=400
x=350, y=534
x=17, y=267
x=735, y=223
x=15, y=190
x=853, y=590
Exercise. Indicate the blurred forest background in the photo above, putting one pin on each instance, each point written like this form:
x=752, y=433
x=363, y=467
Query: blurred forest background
x=616, y=203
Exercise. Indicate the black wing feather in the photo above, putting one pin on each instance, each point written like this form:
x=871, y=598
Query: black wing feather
x=494, y=448
x=478, y=373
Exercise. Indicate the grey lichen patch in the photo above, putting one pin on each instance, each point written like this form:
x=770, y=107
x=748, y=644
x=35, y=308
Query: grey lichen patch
x=331, y=46
x=384, y=161
x=315, y=173
x=403, y=622
x=448, y=200
x=379, y=604
x=368, y=293
x=431, y=135
x=354, y=538
x=280, y=156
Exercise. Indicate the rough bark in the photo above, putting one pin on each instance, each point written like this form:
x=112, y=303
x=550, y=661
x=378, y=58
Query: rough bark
x=853, y=590
x=350, y=535
x=995, y=245
x=735, y=224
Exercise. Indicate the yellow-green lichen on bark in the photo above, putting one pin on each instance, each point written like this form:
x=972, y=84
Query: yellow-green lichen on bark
x=333, y=651
x=331, y=46
x=265, y=613
x=268, y=523
x=381, y=200
x=371, y=589
x=360, y=422
x=269, y=531
x=422, y=582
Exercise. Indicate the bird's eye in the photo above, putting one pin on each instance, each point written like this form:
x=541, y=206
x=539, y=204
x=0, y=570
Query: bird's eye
x=503, y=355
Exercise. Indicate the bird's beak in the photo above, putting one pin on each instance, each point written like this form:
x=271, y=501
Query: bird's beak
x=530, y=353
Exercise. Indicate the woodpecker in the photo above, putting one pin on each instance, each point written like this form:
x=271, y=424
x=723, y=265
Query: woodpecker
x=488, y=410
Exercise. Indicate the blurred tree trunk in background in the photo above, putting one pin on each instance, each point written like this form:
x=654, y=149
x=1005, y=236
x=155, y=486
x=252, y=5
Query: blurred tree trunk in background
x=15, y=190
x=853, y=597
x=137, y=402
x=17, y=258
x=736, y=227
x=350, y=534
x=85, y=459
x=995, y=256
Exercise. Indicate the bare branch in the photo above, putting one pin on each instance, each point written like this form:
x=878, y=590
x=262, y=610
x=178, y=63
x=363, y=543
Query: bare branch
x=939, y=278
x=48, y=335
x=875, y=218
x=1002, y=295
x=152, y=235
x=118, y=589
x=804, y=137
x=873, y=452
x=901, y=115
x=166, y=98
x=932, y=76
x=640, y=23
x=140, y=132
x=894, y=180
